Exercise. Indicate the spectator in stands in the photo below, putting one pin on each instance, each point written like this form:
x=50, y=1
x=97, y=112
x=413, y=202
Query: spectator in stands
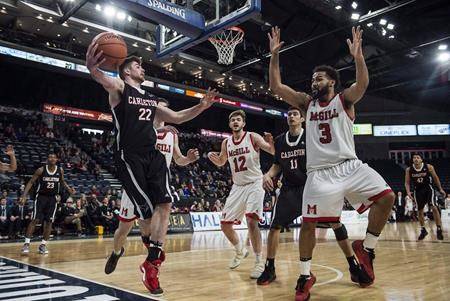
x=50, y=134
x=267, y=206
x=207, y=207
x=19, y=217
x=109, y=222
x=447, y=201
x=93, y=214
x=9, y=132
x=399, y=207
x=4, y=221
x=194, y=207
x=94, y=191
x=71, y=217
x=218, y=206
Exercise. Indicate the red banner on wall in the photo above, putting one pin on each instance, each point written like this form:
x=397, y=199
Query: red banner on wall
x=76, y=113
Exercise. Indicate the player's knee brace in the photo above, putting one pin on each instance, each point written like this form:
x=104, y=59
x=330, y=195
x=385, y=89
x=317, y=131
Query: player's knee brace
x=341, y=233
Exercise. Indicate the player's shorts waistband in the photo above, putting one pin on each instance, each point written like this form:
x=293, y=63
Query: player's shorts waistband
x=248, y=184
x=335, y=166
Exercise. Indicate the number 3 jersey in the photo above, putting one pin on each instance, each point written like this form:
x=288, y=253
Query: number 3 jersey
x=133, y=120
x=329, y=134
x=243, y=157
x=290, y=155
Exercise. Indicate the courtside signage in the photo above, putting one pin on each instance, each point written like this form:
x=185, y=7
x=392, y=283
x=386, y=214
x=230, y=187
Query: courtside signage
x=394, y=130
x=21, y=281
x=433, y=129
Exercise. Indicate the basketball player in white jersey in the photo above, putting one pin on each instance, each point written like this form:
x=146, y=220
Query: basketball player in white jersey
x=334, y=171
x=241, y=150
x=167, y=144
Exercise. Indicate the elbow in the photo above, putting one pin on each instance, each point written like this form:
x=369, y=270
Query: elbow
x=275, y=87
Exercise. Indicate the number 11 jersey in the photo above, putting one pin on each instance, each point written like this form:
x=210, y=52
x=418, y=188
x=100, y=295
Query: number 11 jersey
x=243, y=156
x=290, y=154
x=329, y=134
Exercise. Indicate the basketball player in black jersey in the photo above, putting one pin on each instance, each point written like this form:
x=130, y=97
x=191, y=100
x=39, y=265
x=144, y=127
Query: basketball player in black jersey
x=49, y=179
x=290, y=161
x=140, y=166
x=422, y=177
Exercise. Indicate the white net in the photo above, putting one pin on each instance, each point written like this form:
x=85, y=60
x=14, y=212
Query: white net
x=225, y=42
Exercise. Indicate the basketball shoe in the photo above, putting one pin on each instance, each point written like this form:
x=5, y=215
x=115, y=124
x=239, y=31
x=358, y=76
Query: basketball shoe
x=43, y=249
x=236, y=261
x=358, y=275
x=304, y=285
x=365, y=259
x=150, y=277
x=258, y=269
x=267, y=276
x=439, y=234
x=423, y=233
x=113, y=259
x=26, y=248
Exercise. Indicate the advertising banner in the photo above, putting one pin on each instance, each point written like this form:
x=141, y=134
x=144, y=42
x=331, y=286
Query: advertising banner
x=76, y=113
x=180, y=222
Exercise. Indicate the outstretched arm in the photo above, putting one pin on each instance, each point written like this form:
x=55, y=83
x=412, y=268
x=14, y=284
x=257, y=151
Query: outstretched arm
x=266, y=143
x=181, y=160
x=356, y=91
x=167, y=115
x=219, y=159
x=289, y=95
x=436, y=179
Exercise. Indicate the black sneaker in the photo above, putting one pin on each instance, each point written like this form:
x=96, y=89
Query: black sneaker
x=423, y=233
x=439, y=234
x=359, y=275
x=267, y=276
x=113, y=259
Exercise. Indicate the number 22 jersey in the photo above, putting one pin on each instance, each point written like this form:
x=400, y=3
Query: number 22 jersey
x=329, y=134
x=243, y=157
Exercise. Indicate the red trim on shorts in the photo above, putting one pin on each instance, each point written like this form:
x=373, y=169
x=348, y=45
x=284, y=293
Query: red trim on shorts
x=231, y=222
x=322, y=219
x=341, y=97
x=363, y=208
x=253, y=215
x=255, y=147
x=238, y=142
x=380, y=195
x=126, y=220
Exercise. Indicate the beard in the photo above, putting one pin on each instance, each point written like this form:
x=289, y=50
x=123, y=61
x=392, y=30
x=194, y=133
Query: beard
x=320, y=93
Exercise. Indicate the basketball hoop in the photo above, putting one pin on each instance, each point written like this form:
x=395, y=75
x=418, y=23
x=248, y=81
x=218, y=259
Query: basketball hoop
x=225, y=42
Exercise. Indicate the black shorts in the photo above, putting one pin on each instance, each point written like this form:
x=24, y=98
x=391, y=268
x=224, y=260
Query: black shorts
x=145, y=178
x=45, y=208
x=288, y=206
x=424, y=196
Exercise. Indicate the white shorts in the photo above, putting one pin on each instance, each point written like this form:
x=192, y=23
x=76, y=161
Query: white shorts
x=126, y=209
x=245, y=200
x=325, y=190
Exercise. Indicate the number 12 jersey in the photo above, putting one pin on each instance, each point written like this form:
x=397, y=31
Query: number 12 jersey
x=329, y=134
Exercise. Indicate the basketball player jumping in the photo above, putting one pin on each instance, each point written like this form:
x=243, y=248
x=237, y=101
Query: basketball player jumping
x=423, y=176
x=140, y=166
x=334, y=170
x=290, y=161
x=167, y=143
x=48, y=194
x=247, y=194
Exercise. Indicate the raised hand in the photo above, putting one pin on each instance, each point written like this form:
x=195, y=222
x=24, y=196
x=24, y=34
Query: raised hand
x=93, y=59
x=9, y=150
x=355, y=46
x=193, y=155
x=209, y=99
x=274, y=40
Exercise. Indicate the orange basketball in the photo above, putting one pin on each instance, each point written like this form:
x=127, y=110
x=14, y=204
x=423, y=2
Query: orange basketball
x=114, y=50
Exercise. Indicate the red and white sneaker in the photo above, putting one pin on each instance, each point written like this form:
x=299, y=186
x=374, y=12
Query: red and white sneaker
x=365, y=261
x=303, y=287
x=150, y=277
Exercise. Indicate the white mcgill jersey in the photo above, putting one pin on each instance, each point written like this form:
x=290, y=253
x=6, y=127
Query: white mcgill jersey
x=244, y=160
x=165, y=143
x=329, y=134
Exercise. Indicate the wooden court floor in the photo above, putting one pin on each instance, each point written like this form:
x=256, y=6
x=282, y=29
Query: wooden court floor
x=196, y=266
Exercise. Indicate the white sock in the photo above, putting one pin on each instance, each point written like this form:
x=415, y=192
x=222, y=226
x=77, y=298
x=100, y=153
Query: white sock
x=238, y=247
x=370, y=241
x=43, y=242
x=117, y=253
x=305, y=267
x=258, y=257
x=27, y=240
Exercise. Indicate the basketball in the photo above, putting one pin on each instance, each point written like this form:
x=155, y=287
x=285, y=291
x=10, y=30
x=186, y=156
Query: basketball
x=114, y=50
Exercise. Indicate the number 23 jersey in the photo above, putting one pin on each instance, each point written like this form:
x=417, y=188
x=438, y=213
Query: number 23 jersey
x=329, y=134
x=243, y=156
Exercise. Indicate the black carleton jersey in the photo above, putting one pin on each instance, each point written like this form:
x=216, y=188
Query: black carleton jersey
x=421, y=178
x=290, y=154
x=49, y=183
x=133, y=120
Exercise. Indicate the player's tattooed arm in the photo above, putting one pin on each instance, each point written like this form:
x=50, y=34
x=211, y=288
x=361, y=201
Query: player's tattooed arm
x=66, y=186
x=30, y=183
x=167, y=115
x=274, y=170
x=181, y=160
x=408, y=183
x=266, y=143
x=356, y=91
x=436, y=179
x=114, y=85
x=289, y=95
x=219, y=159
